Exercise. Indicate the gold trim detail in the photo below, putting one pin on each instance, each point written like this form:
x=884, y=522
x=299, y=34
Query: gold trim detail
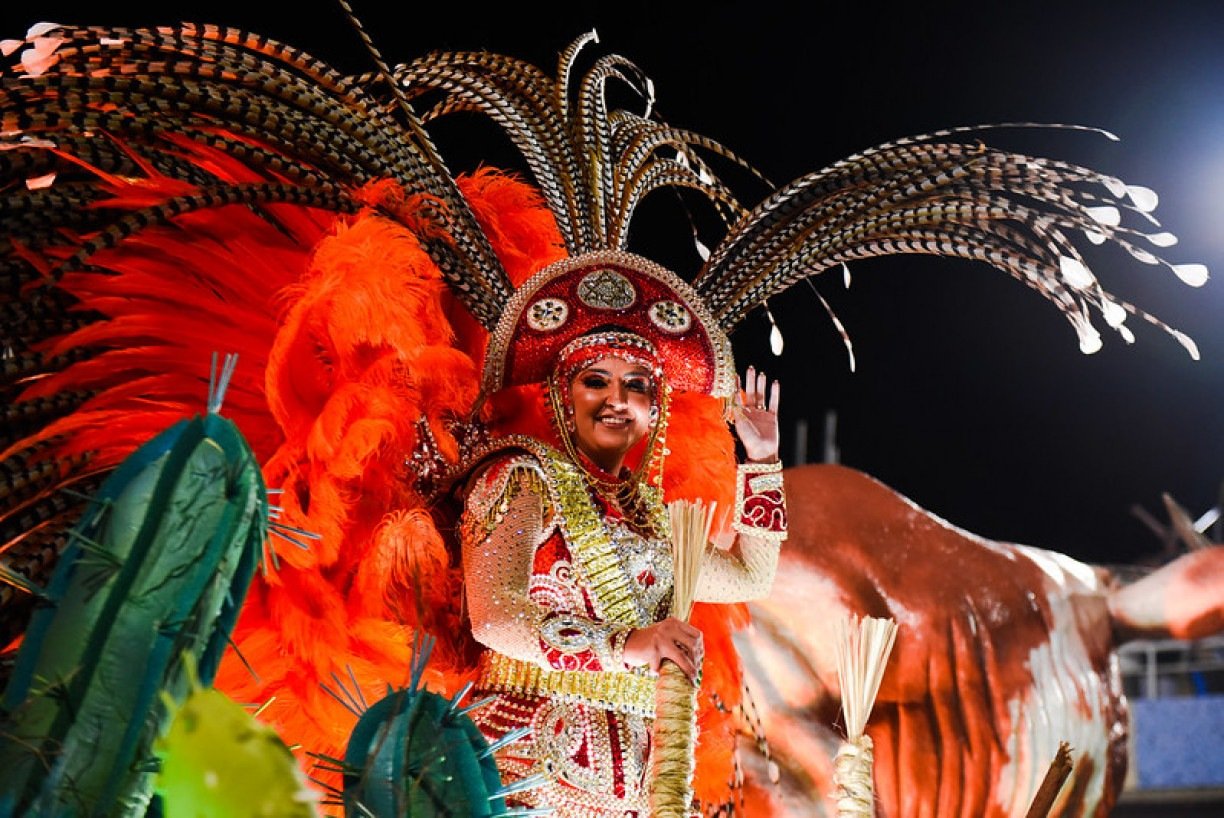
x=595, y=555
x=622, y=692
x=588, y=538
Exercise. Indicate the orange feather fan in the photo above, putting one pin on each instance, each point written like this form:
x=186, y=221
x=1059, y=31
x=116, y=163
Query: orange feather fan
x=370, y=341
x=364, y=349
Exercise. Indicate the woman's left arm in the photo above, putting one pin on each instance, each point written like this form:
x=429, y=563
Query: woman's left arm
x=746, y=570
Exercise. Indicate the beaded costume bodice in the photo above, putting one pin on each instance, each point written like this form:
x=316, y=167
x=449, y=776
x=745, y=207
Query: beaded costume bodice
x=558, y=576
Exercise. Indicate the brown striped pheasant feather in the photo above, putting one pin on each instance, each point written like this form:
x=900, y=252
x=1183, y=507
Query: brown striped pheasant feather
x=926, y=194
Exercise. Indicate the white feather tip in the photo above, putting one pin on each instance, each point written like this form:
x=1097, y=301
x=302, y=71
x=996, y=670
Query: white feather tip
x=702, y=250
x=1193, y=274
x=1143, y=255
x=775, y=340
x=39, y=29
x=1113, y=312
x=1188, y=343
x=1145, y=198
x=1075, y=273
x=1089, y=338
x=1105, y=214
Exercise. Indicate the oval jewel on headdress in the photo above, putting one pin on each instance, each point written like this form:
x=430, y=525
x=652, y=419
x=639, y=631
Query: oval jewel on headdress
x=606, y=290
x=670, y=316
x=547, y=314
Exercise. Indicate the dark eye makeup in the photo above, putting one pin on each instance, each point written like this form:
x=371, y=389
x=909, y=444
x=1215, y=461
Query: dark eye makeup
x=597, y=379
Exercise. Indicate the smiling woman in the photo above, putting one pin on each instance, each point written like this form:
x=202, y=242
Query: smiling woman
x=611, y=410
x=566, y=555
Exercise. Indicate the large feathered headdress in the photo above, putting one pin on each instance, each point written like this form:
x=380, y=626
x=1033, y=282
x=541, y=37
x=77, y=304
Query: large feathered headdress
x=930, y=194
x=137, y=104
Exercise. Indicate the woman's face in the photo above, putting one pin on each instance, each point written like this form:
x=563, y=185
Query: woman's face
x=611, y=401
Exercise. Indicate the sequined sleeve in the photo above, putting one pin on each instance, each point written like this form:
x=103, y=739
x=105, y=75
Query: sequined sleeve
x=523, y=597
x=741, y=573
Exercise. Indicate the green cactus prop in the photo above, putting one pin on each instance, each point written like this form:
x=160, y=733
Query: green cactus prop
x=415, y=754
x=218, y=761
x=157, y=568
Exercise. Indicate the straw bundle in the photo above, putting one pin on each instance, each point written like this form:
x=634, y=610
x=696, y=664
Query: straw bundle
x=863, y=651
x=675, y=726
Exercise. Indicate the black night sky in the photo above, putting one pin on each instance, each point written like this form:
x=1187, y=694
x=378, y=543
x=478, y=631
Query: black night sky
x=970, y=396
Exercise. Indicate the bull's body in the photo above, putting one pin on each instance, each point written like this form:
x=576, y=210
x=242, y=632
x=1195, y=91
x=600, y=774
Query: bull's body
x=1003, y=651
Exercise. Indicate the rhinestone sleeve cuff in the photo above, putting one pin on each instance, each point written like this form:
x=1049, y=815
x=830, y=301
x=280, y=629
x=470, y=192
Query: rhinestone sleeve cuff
x=760, y=501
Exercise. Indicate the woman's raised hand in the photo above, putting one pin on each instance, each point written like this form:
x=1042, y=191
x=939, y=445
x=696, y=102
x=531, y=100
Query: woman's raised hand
x=756, y=416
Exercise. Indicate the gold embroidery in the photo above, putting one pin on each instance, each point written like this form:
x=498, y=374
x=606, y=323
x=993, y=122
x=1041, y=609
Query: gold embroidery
x=488, y=504
x=618, y=691
x=590, y=541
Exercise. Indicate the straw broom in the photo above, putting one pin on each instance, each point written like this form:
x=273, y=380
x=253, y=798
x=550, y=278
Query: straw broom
x=675, y=726
x=863, y=651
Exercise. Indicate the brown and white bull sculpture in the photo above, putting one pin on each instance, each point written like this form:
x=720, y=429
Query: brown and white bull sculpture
x=1003, y=652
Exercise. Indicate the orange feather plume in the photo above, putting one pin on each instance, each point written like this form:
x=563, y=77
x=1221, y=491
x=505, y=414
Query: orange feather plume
x=370, y=341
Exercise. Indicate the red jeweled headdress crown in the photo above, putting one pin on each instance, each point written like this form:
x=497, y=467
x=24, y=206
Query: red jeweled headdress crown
x=575, y=296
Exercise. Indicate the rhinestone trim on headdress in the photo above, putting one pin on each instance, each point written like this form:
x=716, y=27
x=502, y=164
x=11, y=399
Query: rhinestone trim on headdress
x=625, y=345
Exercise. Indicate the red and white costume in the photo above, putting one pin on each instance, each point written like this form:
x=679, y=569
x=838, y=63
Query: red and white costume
x=557, y=577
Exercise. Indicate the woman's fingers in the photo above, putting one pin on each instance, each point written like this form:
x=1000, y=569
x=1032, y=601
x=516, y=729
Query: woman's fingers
x=692, y=637
x=670, y=639
x=682, y=644
x=757, y=392
x=693, y=649
x=678, y=654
